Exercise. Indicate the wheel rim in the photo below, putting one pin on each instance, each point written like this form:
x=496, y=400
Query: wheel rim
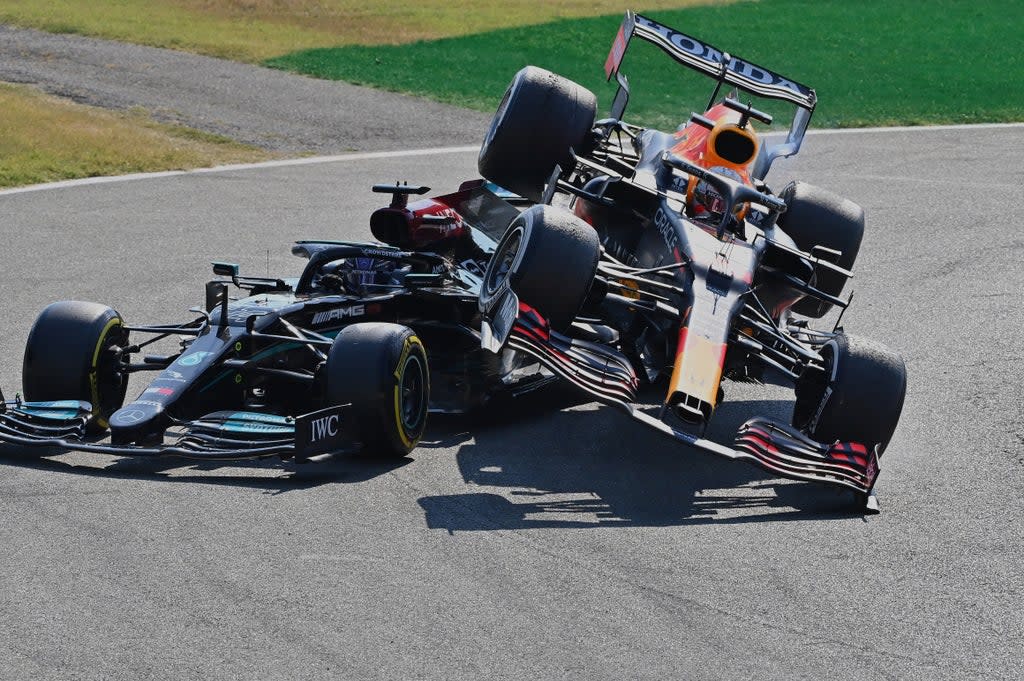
x=413, y=399
x=504, y=260
x=110, y=378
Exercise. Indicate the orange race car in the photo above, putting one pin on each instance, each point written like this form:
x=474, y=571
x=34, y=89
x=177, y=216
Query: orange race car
x=665, y=258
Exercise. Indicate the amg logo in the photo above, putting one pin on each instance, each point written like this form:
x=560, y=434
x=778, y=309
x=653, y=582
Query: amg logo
x=323, y=428
x=338, y=313
x=666, y=229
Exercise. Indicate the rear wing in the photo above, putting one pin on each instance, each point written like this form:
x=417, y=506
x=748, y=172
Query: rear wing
x=719, y=65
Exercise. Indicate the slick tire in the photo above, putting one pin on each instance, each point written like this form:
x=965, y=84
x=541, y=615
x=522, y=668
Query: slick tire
x=858, y=398
x=381, y=369
x=817, y=217
x=68, y=357
x=549, y=258
x=541, y=117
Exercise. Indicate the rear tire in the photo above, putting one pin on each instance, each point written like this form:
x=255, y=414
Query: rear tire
x=67, y=358
x=381, y=369
x=859, y=398
x=541, y=117
x=549, y=258
x=817, y=217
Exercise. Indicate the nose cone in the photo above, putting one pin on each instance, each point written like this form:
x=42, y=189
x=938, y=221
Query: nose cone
x=138, y=421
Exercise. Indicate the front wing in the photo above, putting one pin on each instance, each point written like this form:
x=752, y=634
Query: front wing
x=608, y=377
x=220, y=436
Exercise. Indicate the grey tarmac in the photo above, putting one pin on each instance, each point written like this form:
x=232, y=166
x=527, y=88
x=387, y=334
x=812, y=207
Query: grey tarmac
x=533, y=542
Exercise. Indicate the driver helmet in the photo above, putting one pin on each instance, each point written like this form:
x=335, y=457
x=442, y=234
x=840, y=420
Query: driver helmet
x=706, y=202
x=364, y=275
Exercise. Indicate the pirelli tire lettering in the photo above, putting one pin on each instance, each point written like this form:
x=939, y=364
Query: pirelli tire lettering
x=410, y=377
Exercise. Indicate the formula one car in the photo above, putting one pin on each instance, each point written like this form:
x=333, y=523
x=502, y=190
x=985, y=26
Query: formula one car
x=669, y=259
x=335, y=360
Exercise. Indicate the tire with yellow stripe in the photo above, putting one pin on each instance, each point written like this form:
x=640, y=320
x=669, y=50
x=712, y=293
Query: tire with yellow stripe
x=71, y=355
x=381, y=369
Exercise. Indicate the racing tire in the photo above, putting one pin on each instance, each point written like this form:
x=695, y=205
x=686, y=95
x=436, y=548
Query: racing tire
x=817, y=217
x=858, y=398
x=67, y=357
x=549, y=258
x=381, y=369
x=541, y=117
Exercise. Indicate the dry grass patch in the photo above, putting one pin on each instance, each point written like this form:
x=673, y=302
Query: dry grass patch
x=254, y=30
x=44, y=139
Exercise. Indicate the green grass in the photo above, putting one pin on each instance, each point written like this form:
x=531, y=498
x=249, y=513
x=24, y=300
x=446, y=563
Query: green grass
x=44, y=138
x=253, y=30
x=872, y=62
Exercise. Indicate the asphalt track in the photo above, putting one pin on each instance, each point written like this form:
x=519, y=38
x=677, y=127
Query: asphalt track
x=534, y=543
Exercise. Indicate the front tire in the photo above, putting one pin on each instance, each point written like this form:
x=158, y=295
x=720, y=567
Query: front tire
x=541, y=117
x=381, y=369
x=858, y=398
x=549, y=258
x=68, y=356
x=817, y=217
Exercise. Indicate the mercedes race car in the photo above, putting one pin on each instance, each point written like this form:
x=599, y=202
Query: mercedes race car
x=651, y=257
x=334, y=360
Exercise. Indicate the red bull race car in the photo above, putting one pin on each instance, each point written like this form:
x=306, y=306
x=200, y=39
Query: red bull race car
x=665, y=258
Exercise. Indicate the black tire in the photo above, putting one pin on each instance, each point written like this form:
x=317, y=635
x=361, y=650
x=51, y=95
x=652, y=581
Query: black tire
x=549, y=258
x=67, y=358
x=541, y=117
x=381, y=369
x=859, y=398
x=817, y=217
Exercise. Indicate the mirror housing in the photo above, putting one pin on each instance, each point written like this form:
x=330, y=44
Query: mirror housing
x=225, y=269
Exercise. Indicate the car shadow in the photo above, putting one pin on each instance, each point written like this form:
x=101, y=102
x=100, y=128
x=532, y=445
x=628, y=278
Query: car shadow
x=271, y=475
x=592, y=466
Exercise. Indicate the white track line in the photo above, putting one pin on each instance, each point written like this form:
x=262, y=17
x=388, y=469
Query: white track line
x=916, y=128
x=341, y=158
x=311, y=160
